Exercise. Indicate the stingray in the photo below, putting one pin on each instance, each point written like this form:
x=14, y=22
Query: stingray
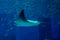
x=22, y=21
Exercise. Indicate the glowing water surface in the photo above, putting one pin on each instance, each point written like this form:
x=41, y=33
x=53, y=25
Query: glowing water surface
x=26, y=23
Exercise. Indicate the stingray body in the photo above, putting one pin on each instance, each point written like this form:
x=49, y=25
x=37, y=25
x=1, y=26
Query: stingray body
x=21, y=21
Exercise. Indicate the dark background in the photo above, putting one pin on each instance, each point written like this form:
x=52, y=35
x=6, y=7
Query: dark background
x=41, y=10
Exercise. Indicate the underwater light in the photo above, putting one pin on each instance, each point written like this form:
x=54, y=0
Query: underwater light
x=32, y=21
x=28, y=23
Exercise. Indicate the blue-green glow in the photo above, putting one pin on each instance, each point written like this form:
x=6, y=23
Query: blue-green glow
x=32, y=21
x=25, y=24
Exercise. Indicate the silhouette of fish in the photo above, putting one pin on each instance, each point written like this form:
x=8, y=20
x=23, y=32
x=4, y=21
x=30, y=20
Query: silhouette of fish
x=22, y=16
x=22, y=21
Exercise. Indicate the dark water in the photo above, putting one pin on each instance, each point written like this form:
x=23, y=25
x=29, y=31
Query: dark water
x=46, y=11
